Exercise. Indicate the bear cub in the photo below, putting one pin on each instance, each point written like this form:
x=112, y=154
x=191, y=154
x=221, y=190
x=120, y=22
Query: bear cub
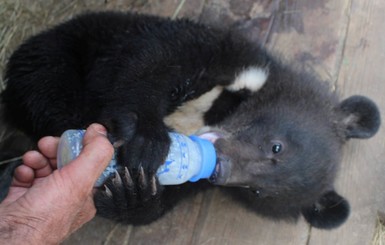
x=279, y=130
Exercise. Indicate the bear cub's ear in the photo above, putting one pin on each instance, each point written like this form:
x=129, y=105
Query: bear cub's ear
x=329, y=212
x=361, y=117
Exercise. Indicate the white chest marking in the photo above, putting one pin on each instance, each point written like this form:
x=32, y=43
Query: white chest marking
x=251, y=78
x=188, y=118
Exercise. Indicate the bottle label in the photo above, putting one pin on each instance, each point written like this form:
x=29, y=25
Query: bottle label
x=181, y=162
x=70, y=146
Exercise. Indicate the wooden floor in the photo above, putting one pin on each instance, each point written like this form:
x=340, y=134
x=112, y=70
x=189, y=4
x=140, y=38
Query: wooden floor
x=344, y=42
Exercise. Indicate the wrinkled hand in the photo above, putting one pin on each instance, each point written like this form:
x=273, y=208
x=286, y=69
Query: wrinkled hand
x=45, y=205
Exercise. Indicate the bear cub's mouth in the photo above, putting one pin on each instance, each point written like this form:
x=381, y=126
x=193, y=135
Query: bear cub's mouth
x=222, y=167
x=211, y=136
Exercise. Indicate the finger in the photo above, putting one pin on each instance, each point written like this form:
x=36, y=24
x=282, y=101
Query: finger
x=48, y=146
x=23, y=176
x=93, y=159
x=38, y=163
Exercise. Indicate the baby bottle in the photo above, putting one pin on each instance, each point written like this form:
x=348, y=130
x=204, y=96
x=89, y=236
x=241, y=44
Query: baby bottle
x=189, y=158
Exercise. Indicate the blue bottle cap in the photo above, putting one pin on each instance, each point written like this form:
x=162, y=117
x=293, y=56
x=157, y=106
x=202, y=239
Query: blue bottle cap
x=209, y=158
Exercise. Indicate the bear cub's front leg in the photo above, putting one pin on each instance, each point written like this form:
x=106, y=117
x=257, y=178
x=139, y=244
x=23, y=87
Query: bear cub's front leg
x=141, y=144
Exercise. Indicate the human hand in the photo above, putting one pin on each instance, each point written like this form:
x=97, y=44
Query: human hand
x=45, y=205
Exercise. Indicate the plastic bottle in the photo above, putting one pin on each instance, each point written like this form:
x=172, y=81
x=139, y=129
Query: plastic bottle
x=189, y=158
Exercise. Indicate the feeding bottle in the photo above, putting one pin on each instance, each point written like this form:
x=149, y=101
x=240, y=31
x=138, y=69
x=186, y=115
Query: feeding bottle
x=189, y=158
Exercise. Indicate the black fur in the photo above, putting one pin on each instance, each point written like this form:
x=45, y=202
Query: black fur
x=329, y=212
x=129, y=71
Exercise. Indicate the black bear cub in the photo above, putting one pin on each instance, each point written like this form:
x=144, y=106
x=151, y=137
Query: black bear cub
x=280, y=131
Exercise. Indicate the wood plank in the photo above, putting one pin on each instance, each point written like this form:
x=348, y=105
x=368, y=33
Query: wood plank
x=362, y=175
x=227, y=12
x=189, y=9
x=176, y=227
x=94, y=232
x=225, y=221
x=310, y=34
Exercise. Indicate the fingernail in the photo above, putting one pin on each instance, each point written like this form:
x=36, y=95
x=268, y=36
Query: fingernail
x=100, y=129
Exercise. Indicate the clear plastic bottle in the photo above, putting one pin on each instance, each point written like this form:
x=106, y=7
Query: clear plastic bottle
x=189, y=158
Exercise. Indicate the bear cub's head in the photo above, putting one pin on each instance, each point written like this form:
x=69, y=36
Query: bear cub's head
x=284, y=151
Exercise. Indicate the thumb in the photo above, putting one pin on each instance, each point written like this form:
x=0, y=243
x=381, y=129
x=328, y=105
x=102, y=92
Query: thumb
x=93, y=159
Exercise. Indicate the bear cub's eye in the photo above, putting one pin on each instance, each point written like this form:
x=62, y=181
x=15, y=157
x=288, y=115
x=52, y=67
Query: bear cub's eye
x=277, y=148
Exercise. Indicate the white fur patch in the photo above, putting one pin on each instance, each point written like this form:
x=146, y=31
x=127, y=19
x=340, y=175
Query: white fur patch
x=252, y=78
x=188, y=118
